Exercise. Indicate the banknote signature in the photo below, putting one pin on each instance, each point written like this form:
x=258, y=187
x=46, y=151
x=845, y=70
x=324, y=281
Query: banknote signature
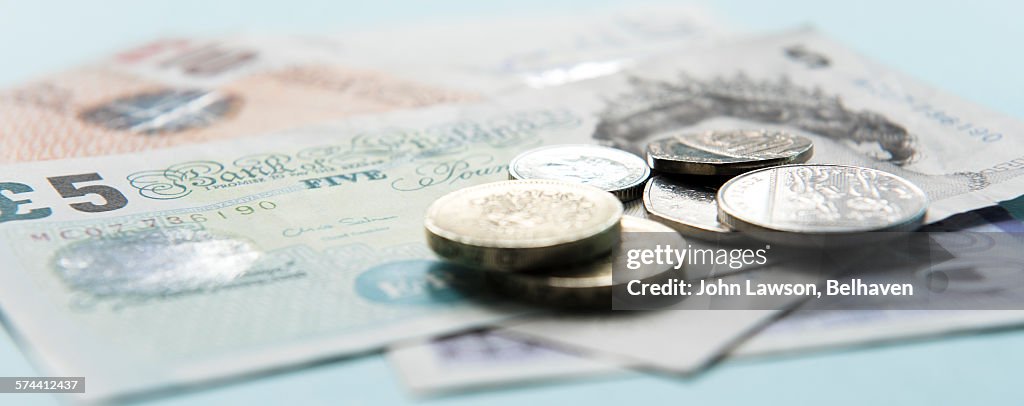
x=292, y=232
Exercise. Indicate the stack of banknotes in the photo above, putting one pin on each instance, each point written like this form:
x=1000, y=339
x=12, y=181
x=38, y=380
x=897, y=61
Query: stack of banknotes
x=197, y=209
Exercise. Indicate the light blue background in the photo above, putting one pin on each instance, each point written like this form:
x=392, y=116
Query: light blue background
x=971, y=48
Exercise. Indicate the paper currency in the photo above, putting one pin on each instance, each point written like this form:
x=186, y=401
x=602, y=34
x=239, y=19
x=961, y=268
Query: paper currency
x=672, y=341
x=318, y=231
x=487, y=358
x=231, y=226
x=180, y=265
x=676, y=341
x=992, y=276
x=683, y=340
x=184, y=90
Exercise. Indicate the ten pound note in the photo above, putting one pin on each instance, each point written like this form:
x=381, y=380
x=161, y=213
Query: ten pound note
x=178, y=265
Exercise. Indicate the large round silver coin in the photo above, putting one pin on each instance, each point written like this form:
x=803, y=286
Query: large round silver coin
x=517, y=225
x=686, y=206
x=613, y=170
x=727, y=153
x=800, y=204
x=591, y=285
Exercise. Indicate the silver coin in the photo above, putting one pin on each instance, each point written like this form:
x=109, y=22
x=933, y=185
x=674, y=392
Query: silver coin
x=801, y=203
x=727, y=153
x=517, y=225
x=591, y=285
x=613, y=170
x=687, y=207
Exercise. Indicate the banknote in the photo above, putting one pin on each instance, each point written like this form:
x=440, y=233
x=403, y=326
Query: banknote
x=196, y=262
x=562, y=346
x=684, y=339
x=479, y=359
x=183, y=90
x=990, y=290
x=569, y=347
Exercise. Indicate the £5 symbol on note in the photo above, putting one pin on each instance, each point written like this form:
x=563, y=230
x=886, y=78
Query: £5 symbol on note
x=68, y=186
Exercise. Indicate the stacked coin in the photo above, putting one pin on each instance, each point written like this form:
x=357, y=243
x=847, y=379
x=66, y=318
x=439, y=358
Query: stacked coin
x=692, y=166
x=517, y=225
x=544, y=241
x=769, y=194
x=727, y=153
x=552, y=234
x=593, y=284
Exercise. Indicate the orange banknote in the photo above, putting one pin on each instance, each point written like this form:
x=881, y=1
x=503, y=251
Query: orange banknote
x=179, y=91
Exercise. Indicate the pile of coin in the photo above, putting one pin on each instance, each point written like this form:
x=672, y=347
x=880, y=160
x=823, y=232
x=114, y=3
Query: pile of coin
x=715, y=183
x=550, y=234
x=726, y=153
x=545, y=241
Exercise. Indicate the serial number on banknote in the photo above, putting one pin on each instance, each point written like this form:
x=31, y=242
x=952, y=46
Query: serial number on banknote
x=145, y=223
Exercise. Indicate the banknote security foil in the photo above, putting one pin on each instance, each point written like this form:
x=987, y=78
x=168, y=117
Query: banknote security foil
x=163, y=111
x=157, y=262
